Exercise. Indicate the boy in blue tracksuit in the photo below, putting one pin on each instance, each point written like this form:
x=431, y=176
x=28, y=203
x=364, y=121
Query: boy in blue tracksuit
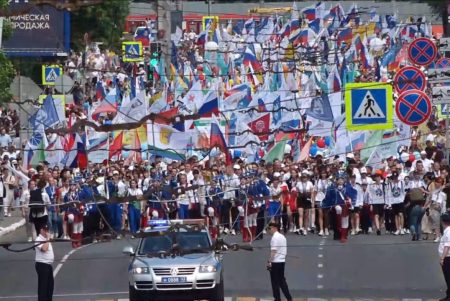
x=264, y=194
x=335, y=198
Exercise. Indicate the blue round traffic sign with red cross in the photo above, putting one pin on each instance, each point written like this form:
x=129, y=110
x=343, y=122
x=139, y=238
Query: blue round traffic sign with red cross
x=413, y=107
x=443, y=63
x=409, y=78
x=422, y=51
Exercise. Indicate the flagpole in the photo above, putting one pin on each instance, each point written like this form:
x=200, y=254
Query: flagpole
x=153, y=135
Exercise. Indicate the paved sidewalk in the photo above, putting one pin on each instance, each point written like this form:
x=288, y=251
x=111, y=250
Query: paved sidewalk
x=10, y=224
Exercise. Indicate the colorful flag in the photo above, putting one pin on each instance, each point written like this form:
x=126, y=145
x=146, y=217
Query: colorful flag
x=216, y=139
x=47, y=116
x=115, y=149
x=276, y=152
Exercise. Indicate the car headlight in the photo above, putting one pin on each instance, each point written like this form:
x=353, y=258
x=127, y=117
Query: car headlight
x=207, y=269
x=141, y=270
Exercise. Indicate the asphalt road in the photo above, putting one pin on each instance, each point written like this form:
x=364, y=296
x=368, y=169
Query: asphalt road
x=367, y=267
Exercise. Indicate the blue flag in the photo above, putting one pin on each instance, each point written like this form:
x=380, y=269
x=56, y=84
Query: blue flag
x=321, y=109
x=46, y=116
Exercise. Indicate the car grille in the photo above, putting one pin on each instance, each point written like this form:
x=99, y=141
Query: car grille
x=167, y=286
x=144, y=285
x=205, y=283
x=166, y=271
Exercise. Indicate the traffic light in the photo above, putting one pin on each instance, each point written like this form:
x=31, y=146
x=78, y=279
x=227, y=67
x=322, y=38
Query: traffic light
x=155, y=54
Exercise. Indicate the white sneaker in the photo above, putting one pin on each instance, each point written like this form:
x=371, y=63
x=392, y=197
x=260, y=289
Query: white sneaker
x=326, y=232
x=264, y=232
x=119, y=237
x=407, y=231
x=370, y=230
x=321, y=233
x=358, y=231
x=66, y=237
x=438, y=239
x=226, y=230
x=292, y=230
x=233, y=232
x=397, y=232
x=30, y=239
x=402, y=232
x=9, y=214
x=352, y=232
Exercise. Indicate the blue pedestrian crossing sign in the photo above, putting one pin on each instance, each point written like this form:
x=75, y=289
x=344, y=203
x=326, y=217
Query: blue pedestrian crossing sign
x=50, y=73
x=368, y=106
x=132, y=51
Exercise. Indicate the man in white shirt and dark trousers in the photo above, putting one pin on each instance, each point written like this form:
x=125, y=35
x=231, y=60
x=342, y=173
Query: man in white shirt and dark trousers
x=275, y=265
x=44, y=260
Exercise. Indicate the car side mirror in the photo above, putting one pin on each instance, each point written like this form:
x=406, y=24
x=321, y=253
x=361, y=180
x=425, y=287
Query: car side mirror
x=128, y=250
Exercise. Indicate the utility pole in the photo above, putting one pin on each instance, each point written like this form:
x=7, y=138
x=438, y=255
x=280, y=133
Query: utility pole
x=163, y=9
x=209, y=7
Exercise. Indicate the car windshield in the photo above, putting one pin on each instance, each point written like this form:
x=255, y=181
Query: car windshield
x=163, y=242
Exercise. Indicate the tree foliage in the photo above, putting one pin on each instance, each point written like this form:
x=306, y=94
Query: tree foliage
x=7, y=72
x=103, y=23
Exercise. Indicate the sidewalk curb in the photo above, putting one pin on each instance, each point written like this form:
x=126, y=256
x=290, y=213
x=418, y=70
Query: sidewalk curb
x=12, y=227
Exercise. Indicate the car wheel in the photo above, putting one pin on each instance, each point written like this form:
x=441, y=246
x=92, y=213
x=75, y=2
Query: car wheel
x=218, y=292
x=134, y=295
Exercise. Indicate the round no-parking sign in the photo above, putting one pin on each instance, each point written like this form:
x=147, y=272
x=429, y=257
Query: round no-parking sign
x=422, y=51
x=413, y=107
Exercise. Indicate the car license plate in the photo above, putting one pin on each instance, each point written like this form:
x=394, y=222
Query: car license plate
x=173, y=279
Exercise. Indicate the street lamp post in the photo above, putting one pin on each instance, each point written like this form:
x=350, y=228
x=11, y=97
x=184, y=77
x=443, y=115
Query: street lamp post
x=1, y=31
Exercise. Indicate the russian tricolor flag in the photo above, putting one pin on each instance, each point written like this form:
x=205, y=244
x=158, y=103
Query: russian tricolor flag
x=210, y=105
x=309, y=13
x=346, y=34
x=216, y=139
x=251, y=60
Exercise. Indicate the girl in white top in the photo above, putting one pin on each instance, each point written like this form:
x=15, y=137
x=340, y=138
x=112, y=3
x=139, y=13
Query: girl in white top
x=320, y=189
x=304, y=203
x=135, y=207
x=437, y=206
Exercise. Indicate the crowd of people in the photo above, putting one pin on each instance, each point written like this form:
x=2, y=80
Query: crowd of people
x=319, y=196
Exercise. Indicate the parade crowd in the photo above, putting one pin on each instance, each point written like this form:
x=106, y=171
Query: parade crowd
x=319, y=196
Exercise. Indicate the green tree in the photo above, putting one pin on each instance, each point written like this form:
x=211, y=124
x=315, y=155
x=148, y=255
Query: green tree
x=103, y=23
x=7, y=72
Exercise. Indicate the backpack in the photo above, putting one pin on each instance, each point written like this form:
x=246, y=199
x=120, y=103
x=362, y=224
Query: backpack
x=36, y=204
x=416, y=195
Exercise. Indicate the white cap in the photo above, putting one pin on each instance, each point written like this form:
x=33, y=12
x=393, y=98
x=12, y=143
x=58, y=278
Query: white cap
x=115, y=172
x=70, y=218
x=236, y=166
x=319, y=153
x=276, y=174
x=241, y=210
x=423, y=152
x=210, y=211
x=363, y=170
x=350, y=155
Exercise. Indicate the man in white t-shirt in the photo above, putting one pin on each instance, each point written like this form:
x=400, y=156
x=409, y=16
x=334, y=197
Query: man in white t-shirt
x=444, y=252
x=44, y=260
x=278, y=251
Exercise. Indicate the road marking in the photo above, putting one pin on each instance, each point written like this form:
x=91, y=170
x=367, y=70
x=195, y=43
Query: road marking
x=228, y=299
x=69, y=295
x=320, y=276
x=320, y=286
x=320, y=265
x=64, y=259
x=320, y=248
x=320, y=255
